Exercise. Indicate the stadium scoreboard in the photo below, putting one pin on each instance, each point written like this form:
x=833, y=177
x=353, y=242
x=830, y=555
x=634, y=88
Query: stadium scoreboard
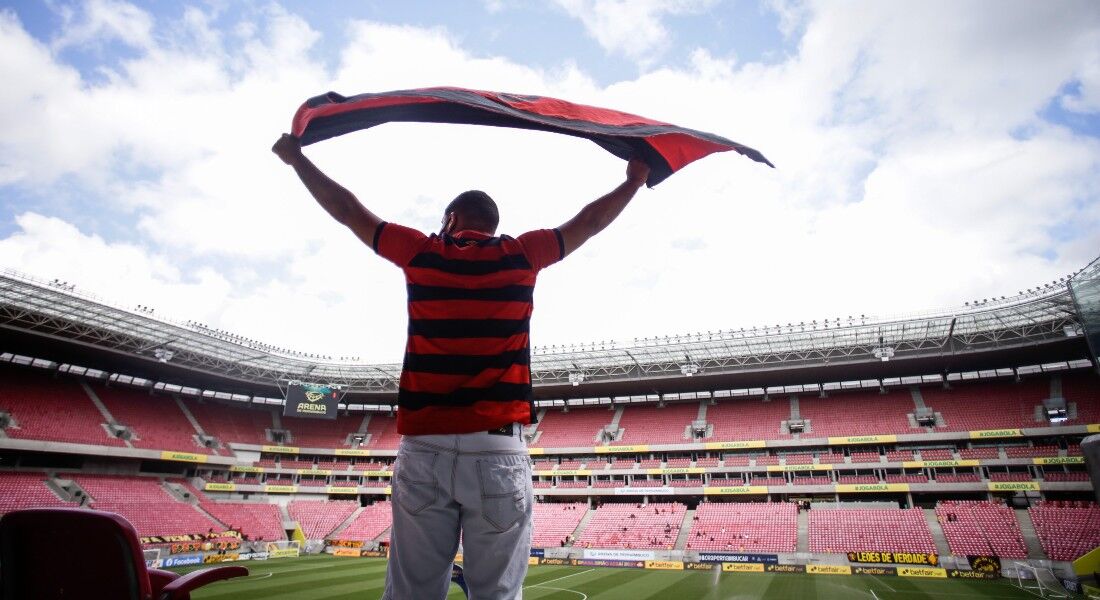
x=311, y=400
x=1084, y=288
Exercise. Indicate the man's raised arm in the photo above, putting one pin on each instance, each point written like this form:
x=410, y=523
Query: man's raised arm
x=333, y=197
x=593, y=218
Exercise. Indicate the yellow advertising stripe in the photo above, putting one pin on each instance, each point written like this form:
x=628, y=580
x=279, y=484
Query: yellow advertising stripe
x=536, y=450
x=617, y=449
x=734, y=445
x=1093, y=428
x=676, y=471
x=790, y=468
x=996, y=433
x=917, y=464
x=314, y=472
x=219, y=487
x=281, y=489
x=829, y=569
x=182, y=456
x=377, y=473
x=743, y=567
x=1014, y=486
x=869, y=488
x=664, y=565
x=246, y=469
x=933, y=572
x=280, y=449
x=387, y=490
x=735, y=490
x=1059, y=460
x=335, y=489
x=352, y=452
x=863, y=439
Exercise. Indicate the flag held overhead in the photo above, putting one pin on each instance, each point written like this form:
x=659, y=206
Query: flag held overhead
x=664, y=147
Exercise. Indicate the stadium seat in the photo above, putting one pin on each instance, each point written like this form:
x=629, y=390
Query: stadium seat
x=554, y=522
x=577, y=428
x=370, y=523
x=837, y=530
x=653, y=425
x=880, y=413
x=744, y=527
x=1066, y=532
x=104, y=561
x=654, y=526
x=981, y=528
x=987, y=404
x=318, y=518
x=749, y=419
x=27, y=490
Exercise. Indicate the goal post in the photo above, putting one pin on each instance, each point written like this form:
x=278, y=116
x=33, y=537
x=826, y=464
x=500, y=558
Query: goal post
x=152, y=557
x=1040, y=581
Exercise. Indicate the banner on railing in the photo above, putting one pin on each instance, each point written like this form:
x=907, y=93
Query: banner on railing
x=897, y=558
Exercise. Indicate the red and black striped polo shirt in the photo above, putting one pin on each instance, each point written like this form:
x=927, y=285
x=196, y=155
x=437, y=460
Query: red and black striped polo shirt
x=468, y=358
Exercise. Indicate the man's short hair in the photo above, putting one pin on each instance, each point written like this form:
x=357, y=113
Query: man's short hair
x=476, y=210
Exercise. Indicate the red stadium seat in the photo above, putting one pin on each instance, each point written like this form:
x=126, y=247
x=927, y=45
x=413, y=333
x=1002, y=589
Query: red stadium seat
x=105, y=561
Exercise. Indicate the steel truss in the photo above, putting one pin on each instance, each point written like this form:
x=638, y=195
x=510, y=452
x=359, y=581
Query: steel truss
x=56, y=310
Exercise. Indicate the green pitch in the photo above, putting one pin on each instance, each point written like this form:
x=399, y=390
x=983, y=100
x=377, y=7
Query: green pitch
x=331, y=578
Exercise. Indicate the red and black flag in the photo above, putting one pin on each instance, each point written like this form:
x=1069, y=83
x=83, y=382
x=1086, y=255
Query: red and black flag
x=665, y=148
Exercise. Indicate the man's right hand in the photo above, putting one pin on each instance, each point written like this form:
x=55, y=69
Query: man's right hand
x=288, y=148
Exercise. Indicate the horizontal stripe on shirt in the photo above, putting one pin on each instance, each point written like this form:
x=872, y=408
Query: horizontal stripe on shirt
x=497, y=279
x=501, y=392
x=508, y=293
x=469, y=309
x=468, y=346
x=436, y=383
x=465, y=328
x=462, y=266
x=456, y=364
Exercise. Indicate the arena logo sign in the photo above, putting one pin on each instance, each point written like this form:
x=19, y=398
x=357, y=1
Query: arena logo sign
x=728, y=557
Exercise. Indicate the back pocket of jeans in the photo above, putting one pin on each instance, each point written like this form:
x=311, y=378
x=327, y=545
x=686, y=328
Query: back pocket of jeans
x=414, y=487
x=503, y=493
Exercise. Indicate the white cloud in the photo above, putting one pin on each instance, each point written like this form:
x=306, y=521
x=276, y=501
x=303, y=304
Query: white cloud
x=633, y=28
x=903, y=182
x=101, y=21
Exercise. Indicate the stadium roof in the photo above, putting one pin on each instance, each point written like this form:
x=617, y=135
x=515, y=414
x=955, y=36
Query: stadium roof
x=52, y=320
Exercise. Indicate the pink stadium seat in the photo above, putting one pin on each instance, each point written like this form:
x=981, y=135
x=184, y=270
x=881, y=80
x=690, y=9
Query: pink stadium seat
x=812, y=480
x=51, y=409
x=370, y=523
x=1003, y=476
x=157, y=422
x=744, y=527
x=383, y=432
x=1082, y=389
x=145, y=503
x=983, y=452
x=709, y=462
x=958, y=478
x=847, y=479
x=1066, y=533
x=1066, y=477
x=577, y=428
x=837, y=530
x=1030, y=451
x=866, y=457
x=749, y=419
x=258, y=520
x=891, y=456
x=230, y=423
x=19, y=490
x=878, y=413
x=652, y=425
x=830, y=458
x=654, y=526
x=798, y=459
x=972, y=406
x=318, y=518
x=936, y=454
x=554, y=522
x=981, y=528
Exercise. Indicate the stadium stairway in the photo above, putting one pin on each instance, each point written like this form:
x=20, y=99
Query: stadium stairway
x=803, y=531
x=685, y=529
x=192, y=420
x=347, y=521
x=1031, y=539
x=937, y=532
x=591, y=512
x=102, y=408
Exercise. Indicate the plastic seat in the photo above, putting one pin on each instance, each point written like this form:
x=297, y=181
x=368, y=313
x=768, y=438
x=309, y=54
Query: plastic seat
x=102, y=559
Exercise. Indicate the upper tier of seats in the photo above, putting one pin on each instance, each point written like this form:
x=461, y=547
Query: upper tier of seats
x=744, y=527
x=46, y=408
x=652, y=425
x=156, y=421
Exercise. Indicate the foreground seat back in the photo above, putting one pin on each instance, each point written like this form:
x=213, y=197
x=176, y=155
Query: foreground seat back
x=68, y=553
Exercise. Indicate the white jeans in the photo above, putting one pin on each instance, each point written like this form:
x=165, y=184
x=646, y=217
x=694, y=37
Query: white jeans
x=478, y=484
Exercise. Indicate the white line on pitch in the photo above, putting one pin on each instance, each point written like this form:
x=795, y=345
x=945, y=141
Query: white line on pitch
x=559, y=578
x=888, y=586
x=583, y=595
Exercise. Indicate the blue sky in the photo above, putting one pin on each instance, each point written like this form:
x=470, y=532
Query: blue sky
x=928, y=154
